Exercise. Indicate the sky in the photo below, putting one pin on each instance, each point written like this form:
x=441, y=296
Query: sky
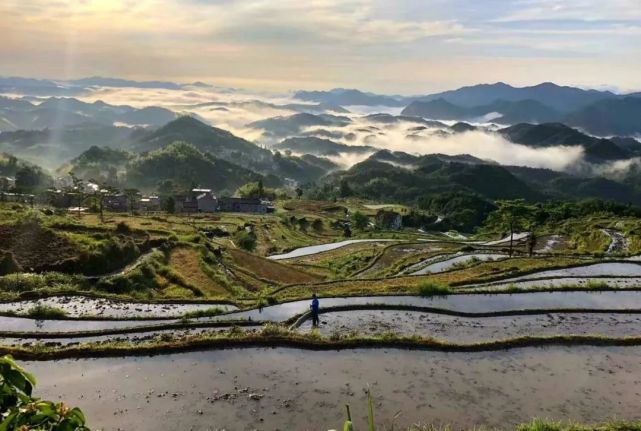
x=387, y=46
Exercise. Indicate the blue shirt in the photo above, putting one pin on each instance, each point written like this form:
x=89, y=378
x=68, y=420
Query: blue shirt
x=315, y=305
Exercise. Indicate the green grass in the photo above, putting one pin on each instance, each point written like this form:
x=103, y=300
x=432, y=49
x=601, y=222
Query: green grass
x=432, y=288
x=46, y=312
x=208, y=312
x=543, y=425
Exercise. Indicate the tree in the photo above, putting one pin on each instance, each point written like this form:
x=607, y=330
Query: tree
x=347, y=232
x=512, y=216
x=360, y=220
x=261, y=189
x=132, y=197
x=100, y=195
x=317, y=225
x=245, y=240
x=79, y=189
x=303, y=223
x=27, y=179
x=8, y=264
x=170, y=205
x=344, y=189
x=255, y=190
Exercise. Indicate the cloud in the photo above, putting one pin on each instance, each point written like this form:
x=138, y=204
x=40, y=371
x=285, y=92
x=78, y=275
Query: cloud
x=481, y=144
x=409, y=47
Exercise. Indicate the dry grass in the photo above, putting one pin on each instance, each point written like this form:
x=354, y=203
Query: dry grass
x=270, y=270
x=409, y=284
x=186, y=261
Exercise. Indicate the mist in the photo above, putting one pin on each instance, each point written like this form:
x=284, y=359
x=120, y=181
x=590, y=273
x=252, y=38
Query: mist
x=482, y=144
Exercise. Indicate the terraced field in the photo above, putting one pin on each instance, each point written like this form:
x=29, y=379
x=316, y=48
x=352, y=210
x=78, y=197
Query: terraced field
x=189, y=287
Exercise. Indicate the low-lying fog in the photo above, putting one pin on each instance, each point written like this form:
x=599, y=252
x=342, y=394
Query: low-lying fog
x=234, y=110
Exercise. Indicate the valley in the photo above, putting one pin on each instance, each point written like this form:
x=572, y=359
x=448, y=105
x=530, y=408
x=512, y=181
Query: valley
x=166, y=266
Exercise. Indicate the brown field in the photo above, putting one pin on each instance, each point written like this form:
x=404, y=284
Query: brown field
x=409, y=284
x=34, y=247
x=186, y=261
x=270, y=270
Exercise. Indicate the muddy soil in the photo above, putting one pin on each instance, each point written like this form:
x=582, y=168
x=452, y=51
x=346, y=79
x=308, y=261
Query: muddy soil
x=471, y=330
x=76, y=306
x=283, y=389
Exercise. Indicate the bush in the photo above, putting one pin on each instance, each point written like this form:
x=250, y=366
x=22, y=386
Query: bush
x=245, y=240
x=43, y=312
x=123, y=228
x=432, y=288
x=8, y=264
x=20, y=411
x=207, y=312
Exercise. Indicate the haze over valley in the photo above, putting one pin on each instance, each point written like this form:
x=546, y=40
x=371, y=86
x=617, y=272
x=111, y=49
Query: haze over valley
x=413, y=215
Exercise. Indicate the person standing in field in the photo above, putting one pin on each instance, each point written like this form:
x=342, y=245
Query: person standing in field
x=315, y=307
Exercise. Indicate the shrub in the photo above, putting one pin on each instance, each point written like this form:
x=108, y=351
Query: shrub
x=8, y=264
x=432, y=288
x=123, y=228
x=19, y=410
x=43, y=311
x=208, y=312
x=245, y=240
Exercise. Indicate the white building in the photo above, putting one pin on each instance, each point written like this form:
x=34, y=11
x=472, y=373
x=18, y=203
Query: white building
x=7, y=183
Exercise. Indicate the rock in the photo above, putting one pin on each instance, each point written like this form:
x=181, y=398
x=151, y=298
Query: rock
x=255, y=397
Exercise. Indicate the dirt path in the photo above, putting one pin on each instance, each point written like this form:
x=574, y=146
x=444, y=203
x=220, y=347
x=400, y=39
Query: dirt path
x=619, y=243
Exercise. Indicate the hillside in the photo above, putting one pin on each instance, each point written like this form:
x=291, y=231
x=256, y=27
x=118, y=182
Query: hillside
x=609, y=117
x=29, y=177
x=99, y=164
x=280, y=127
x=561, y=98
x=58, y=113
x=186, y=166
x=408, y=178
x=554, y=134
x=347, y=97
x=320, y=147
x=51, y=148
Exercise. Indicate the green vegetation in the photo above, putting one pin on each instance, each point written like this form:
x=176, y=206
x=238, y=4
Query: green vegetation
x=431, y=288
x=245, y=240
x=209, y=312
x=19, y=410
x=544, y=425
x=45, y=312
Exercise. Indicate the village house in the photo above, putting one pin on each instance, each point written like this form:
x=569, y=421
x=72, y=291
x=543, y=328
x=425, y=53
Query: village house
x=150, y=203
x=206, y=201
x=17, y=197
x=7, y=183
x=244, y=205
x=117, y=203
x=186, y=204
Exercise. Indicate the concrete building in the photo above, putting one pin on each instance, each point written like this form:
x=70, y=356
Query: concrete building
x=117, y=203
x=7, y=183
x=207, y=202
x=243, y=205
x=150, y=203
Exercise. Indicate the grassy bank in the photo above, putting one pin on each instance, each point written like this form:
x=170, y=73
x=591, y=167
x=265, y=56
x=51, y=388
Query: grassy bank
x=278, y=336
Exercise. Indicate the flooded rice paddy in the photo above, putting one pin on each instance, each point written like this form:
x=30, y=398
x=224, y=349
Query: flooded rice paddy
x=315, y=249
x=444, y=265
x=282, y=389
x=76, y=306
x=456, y=329
x=466, y=303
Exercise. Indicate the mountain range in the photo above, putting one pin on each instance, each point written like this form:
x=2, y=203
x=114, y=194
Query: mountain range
x=601, y=113
x=60, y=112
